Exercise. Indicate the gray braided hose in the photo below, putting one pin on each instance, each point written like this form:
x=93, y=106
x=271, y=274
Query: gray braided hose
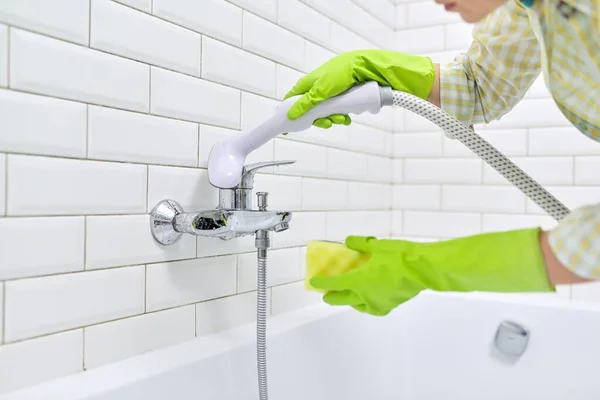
x=262, y=243
x=488, y=153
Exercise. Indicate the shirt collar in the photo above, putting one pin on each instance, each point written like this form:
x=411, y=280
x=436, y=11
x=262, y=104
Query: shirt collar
x=589, y=7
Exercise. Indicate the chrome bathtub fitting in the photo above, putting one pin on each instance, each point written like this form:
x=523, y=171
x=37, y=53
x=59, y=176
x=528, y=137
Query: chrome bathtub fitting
x=233, y=218
x=240, y=197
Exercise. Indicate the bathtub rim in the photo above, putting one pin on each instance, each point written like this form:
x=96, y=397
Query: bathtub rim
x=144, y=366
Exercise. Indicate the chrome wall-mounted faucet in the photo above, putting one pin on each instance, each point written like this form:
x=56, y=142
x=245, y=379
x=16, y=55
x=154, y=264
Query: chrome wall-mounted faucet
x=234, y=216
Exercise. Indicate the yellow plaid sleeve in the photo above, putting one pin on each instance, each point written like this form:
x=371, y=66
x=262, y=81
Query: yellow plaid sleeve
x=576, y=241
x=502, y=62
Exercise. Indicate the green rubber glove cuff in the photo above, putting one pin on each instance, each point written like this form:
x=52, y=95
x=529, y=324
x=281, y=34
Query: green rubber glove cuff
x=499, y=262
x=398, y=270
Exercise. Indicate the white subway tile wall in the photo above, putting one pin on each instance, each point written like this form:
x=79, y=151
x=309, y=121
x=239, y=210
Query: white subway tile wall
x=232, y=66
x=52, y=67
x=116, y=240
x=118, y=135
x=113, y=341
x=213, y=18
x=99, y=122
x=265, y=8
x=60, y=186
x=272, y=41
x=287, y=77
x=315, y=56
x=58, y=242
x=190, y=281
x=63, y=19
x=383, y=10
x=227, y=312
x=185, y=97
x=157, y=43
x=38, y=306
x=41, y=359
x=42, y=125
x=283, y=268
x=294, y=15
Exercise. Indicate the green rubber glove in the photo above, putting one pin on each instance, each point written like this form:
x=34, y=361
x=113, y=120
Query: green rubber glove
x=404, y=72
x=398, y=270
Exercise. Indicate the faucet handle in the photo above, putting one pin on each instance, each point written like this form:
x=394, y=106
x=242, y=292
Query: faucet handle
x=265, y=164
x=249, y=170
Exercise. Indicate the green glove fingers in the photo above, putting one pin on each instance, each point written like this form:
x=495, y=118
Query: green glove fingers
x=341, y=119
x=361, y=243
x=336, y=119
x=405, y=72
x=324, y=123
x=328, y=122
x=368, y=244
x=302, y=86
x=343, y=298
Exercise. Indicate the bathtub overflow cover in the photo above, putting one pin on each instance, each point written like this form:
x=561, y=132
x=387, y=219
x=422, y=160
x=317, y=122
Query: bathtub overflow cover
x=511, y=338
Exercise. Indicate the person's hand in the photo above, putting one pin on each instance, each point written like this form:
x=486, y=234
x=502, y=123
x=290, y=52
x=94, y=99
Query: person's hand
x=398, y=270
x=404, y=72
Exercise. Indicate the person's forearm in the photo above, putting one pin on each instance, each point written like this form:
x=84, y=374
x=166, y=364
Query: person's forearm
x=434, y=95
x=558, y=274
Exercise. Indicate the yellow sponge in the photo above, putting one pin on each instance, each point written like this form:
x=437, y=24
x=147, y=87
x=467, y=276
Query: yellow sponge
x=330, y=258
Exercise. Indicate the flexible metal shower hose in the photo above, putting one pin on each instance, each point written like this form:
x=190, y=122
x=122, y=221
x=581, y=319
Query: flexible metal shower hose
x=488, y=153
x=261, y=324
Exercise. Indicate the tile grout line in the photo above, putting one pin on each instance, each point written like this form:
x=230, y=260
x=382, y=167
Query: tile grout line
x=148, y=189
x=200, y=64
x=574, y=174
x=237, y=272
x=89, y=44
x=149, y=90
x=87, y=131
x=5, y=208
x=145, y=289
x=8, y=31
x=3, y=309
x=85, y=226
x=199, y=134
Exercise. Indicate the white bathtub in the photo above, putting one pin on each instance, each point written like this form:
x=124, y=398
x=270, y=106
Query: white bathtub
x=438, y=346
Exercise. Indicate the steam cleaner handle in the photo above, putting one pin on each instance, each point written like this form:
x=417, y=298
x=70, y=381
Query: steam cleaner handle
x=366, y=97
